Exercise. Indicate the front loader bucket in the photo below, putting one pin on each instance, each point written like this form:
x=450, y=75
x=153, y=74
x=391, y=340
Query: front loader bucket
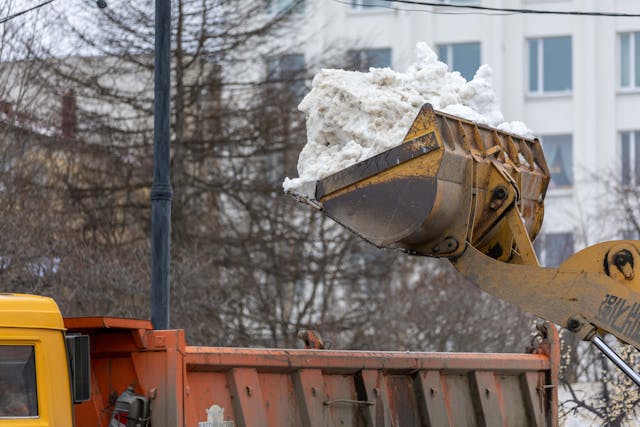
x=472, y=193
x=449, y=182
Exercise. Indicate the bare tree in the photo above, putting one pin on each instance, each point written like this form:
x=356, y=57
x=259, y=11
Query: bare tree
x=250, y=266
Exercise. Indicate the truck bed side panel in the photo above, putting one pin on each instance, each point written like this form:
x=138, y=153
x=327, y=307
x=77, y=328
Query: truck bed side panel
x=277, y=387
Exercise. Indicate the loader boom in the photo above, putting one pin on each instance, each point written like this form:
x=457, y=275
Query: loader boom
x=474, y=194
x=580, y=295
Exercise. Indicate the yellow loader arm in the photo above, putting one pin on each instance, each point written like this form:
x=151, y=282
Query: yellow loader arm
x=595, y=289
x=474, y=194
x=581, y=294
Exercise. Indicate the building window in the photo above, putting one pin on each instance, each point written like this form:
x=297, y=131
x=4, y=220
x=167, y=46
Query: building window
x=281, y=6
x=630, y=158
x=369, y=4
x=363, y=59
x=550, y=65
x=461, y=57
x=629, y=60
x=558, y=150
x=553, y=248
x=289, y=72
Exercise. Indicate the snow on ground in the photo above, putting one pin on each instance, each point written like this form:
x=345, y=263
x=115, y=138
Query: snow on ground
x=352, y=116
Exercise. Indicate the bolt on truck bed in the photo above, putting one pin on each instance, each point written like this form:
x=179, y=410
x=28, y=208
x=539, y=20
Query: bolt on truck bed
x=288, y=387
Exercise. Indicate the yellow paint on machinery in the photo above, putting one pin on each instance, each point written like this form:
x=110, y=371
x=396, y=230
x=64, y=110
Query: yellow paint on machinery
x=472, y=176
x=475, y=195
x=32, y=325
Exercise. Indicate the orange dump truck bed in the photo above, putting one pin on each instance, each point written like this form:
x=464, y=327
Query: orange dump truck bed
x=278, y=387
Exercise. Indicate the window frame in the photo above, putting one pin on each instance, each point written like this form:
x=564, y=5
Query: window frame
x=634, y=84
x=459, y=1
x=633, y=157
x=540, y=91
x=274, y=72
x=272, y=9
x=362, y=52
x=541, y=246
x=552, y=185
x=451, y=61
x=360, y=6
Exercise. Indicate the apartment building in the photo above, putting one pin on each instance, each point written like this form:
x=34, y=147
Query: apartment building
x=575, y=81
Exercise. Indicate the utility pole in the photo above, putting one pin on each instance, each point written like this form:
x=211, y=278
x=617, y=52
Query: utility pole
x=161, y=192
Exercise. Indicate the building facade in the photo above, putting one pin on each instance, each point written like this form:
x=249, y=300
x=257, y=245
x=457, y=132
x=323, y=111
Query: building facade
x=574, y=80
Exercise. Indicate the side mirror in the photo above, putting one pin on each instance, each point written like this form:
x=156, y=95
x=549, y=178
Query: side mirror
x=79, y=355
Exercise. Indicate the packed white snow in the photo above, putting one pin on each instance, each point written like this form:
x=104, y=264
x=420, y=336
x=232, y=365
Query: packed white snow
x=352, y=116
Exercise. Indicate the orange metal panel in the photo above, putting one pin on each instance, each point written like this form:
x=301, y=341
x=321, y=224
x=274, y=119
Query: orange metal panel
x=247, y=399
x=462, y=406
x=342, y=401
x=280, y=400
x=222, y=358
x=534, y=397
x=276, y=387
x=158, y=371
x=402, y=400
x=91, y=412
x=204, y=390
x=375, y=386
x=110, y=377
x=106, y=322
x=551, y=347
x=310, y=394
x=513, y=399
x=434, y=409
x=488, y=398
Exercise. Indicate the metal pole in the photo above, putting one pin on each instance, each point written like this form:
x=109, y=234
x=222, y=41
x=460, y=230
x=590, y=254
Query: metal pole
x=617, y=360
x=161, y=193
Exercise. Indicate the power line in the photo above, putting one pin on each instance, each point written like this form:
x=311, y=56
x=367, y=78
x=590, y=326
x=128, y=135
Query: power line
x=15, y=15
x=500, y=10
x=430, y=11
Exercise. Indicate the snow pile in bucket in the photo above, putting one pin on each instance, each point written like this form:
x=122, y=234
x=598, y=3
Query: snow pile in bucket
x=352, y=116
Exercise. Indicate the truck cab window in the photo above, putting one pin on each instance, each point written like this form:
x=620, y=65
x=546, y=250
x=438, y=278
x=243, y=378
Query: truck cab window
x=18, y=397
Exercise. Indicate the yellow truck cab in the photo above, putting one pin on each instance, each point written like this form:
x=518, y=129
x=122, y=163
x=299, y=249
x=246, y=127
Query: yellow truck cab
x=36, y=359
